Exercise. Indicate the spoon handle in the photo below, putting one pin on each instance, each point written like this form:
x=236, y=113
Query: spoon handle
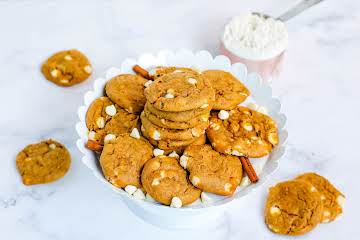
x=300, y=7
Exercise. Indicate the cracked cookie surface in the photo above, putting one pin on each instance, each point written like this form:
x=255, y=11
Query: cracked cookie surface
x=164, y=179
x=293, y=208
x=244, y=132
x=123, y=158
x=212, y=171
x=178, y=92
x=67, y=68
x=43, y=162
x=332, y=198
x=127, y=91
x=229, y=91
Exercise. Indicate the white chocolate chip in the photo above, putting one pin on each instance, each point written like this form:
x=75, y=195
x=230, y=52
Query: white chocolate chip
x=183, y=161
x=109, y=137
x=68, y=58
x=247, y=126
x=195, y=180
x=155, y=182
x=192, y=81
x=139, y=194
x=322, y=197
x=214, y=126
x=273, y=138
x=227, y=187
x=313, y=189
x=325, y=220
x=177, y=71
x=64, y=81
x=326, y=213
x=176, y=202
x=149, y=198
x=204, y=105
x=88, y=69
x=130, y=189
x=91, y=135
x=245, y=181
x=236, y=153
x=169, y=95
x=135, y=133
x=262, y=110
x=205, y=198
x=52, y=146
x=253, y=106
x=163, y=121
x=148, y=83
x=174, y=154
x=28, y=159
x=275, y=211
x=162, y=173
x=158, y=152
x=100, y=122
x=223, y=115
x=341, y=200
x=195, y=132
x=156, y=135
x=54, y=73
x=110, y=110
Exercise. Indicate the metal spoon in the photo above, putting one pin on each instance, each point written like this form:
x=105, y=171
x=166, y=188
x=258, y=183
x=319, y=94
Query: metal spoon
x=292, y=12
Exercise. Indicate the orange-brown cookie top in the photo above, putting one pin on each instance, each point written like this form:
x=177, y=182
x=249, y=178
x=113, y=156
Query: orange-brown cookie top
x=229, y=91
x=123, y=158
x=160, y=71
x=178, y=92
x=166, y=181
x=127, y=90
x=293, y=208
x=242, y=132
x=212, y=171
x=67, y=68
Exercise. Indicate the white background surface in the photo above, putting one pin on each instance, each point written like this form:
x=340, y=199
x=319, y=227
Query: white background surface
x=319, y=90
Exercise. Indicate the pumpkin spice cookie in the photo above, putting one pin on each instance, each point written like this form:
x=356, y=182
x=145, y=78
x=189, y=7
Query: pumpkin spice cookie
x=43, y=162
x=127, y=91
x=242, y=131
x=333, y=200
x=178, y=92
x=293, y=208
x=229, y=91
x=123, y=158
x=158, y=133
x=177, y=116
x=212, y=171
x=164, y=123
x=67, y=68
x=166, y=181
x=157, y=72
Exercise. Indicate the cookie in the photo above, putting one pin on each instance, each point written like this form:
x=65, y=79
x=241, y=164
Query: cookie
x=123, y=158
x=229, y=91
x=243, y=132
x=43, y=162
x=104, y=117
x=157, y=72
x=166, y=181
x=332, y=198
x=212, y=171
x=178, y=92
x=293, y=208
x=127, y=91
x=158, y=133
x=164, y=123
x=177, y=116
x=67, y=68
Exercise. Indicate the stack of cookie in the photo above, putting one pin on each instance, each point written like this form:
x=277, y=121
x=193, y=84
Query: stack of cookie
x=177, y=110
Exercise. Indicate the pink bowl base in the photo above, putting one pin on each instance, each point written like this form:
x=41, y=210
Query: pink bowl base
x=268, y=69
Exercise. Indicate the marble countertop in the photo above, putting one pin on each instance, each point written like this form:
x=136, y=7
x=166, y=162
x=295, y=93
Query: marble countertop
x=318, y=87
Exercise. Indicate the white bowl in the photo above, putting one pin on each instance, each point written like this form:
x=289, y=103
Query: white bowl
x=197, y=214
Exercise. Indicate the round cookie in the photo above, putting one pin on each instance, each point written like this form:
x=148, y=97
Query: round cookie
x=43, y=162
x=67, y=68
x=244, y=132
x=229, y=91
x=177, y=116
x=158, y=133
x=212, y=171
x=178, y=92
x=164, y=123
x=157, y=72
x=164, y=179
x=332, y=198
x=293, y=208
x=127, y=90
x=123, y=158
